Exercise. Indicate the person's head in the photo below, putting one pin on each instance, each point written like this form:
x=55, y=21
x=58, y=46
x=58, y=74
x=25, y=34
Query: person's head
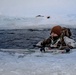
x=56, y=31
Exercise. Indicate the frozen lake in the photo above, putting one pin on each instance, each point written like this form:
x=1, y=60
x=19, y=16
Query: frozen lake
x=38, y=63
x=19, y=57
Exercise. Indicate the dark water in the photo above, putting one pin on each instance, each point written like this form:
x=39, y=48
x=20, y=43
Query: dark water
x=24, y=38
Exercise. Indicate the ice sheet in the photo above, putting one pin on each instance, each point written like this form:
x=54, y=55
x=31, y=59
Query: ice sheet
x=38, y=63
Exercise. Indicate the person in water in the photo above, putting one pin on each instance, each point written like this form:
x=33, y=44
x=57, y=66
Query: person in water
x=57, y=38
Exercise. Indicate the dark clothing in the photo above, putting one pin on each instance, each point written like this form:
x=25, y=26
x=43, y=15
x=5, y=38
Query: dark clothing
x=58, y=40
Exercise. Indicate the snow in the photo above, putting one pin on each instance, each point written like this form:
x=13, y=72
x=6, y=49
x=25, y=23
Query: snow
x=7, y=22
x=38, y=63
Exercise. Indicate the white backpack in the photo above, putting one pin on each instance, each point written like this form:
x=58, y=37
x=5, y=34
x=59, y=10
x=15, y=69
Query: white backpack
x=69, y=41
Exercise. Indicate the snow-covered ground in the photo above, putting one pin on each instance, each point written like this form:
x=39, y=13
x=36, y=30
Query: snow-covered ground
x=7, y=22
x=38, y=63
